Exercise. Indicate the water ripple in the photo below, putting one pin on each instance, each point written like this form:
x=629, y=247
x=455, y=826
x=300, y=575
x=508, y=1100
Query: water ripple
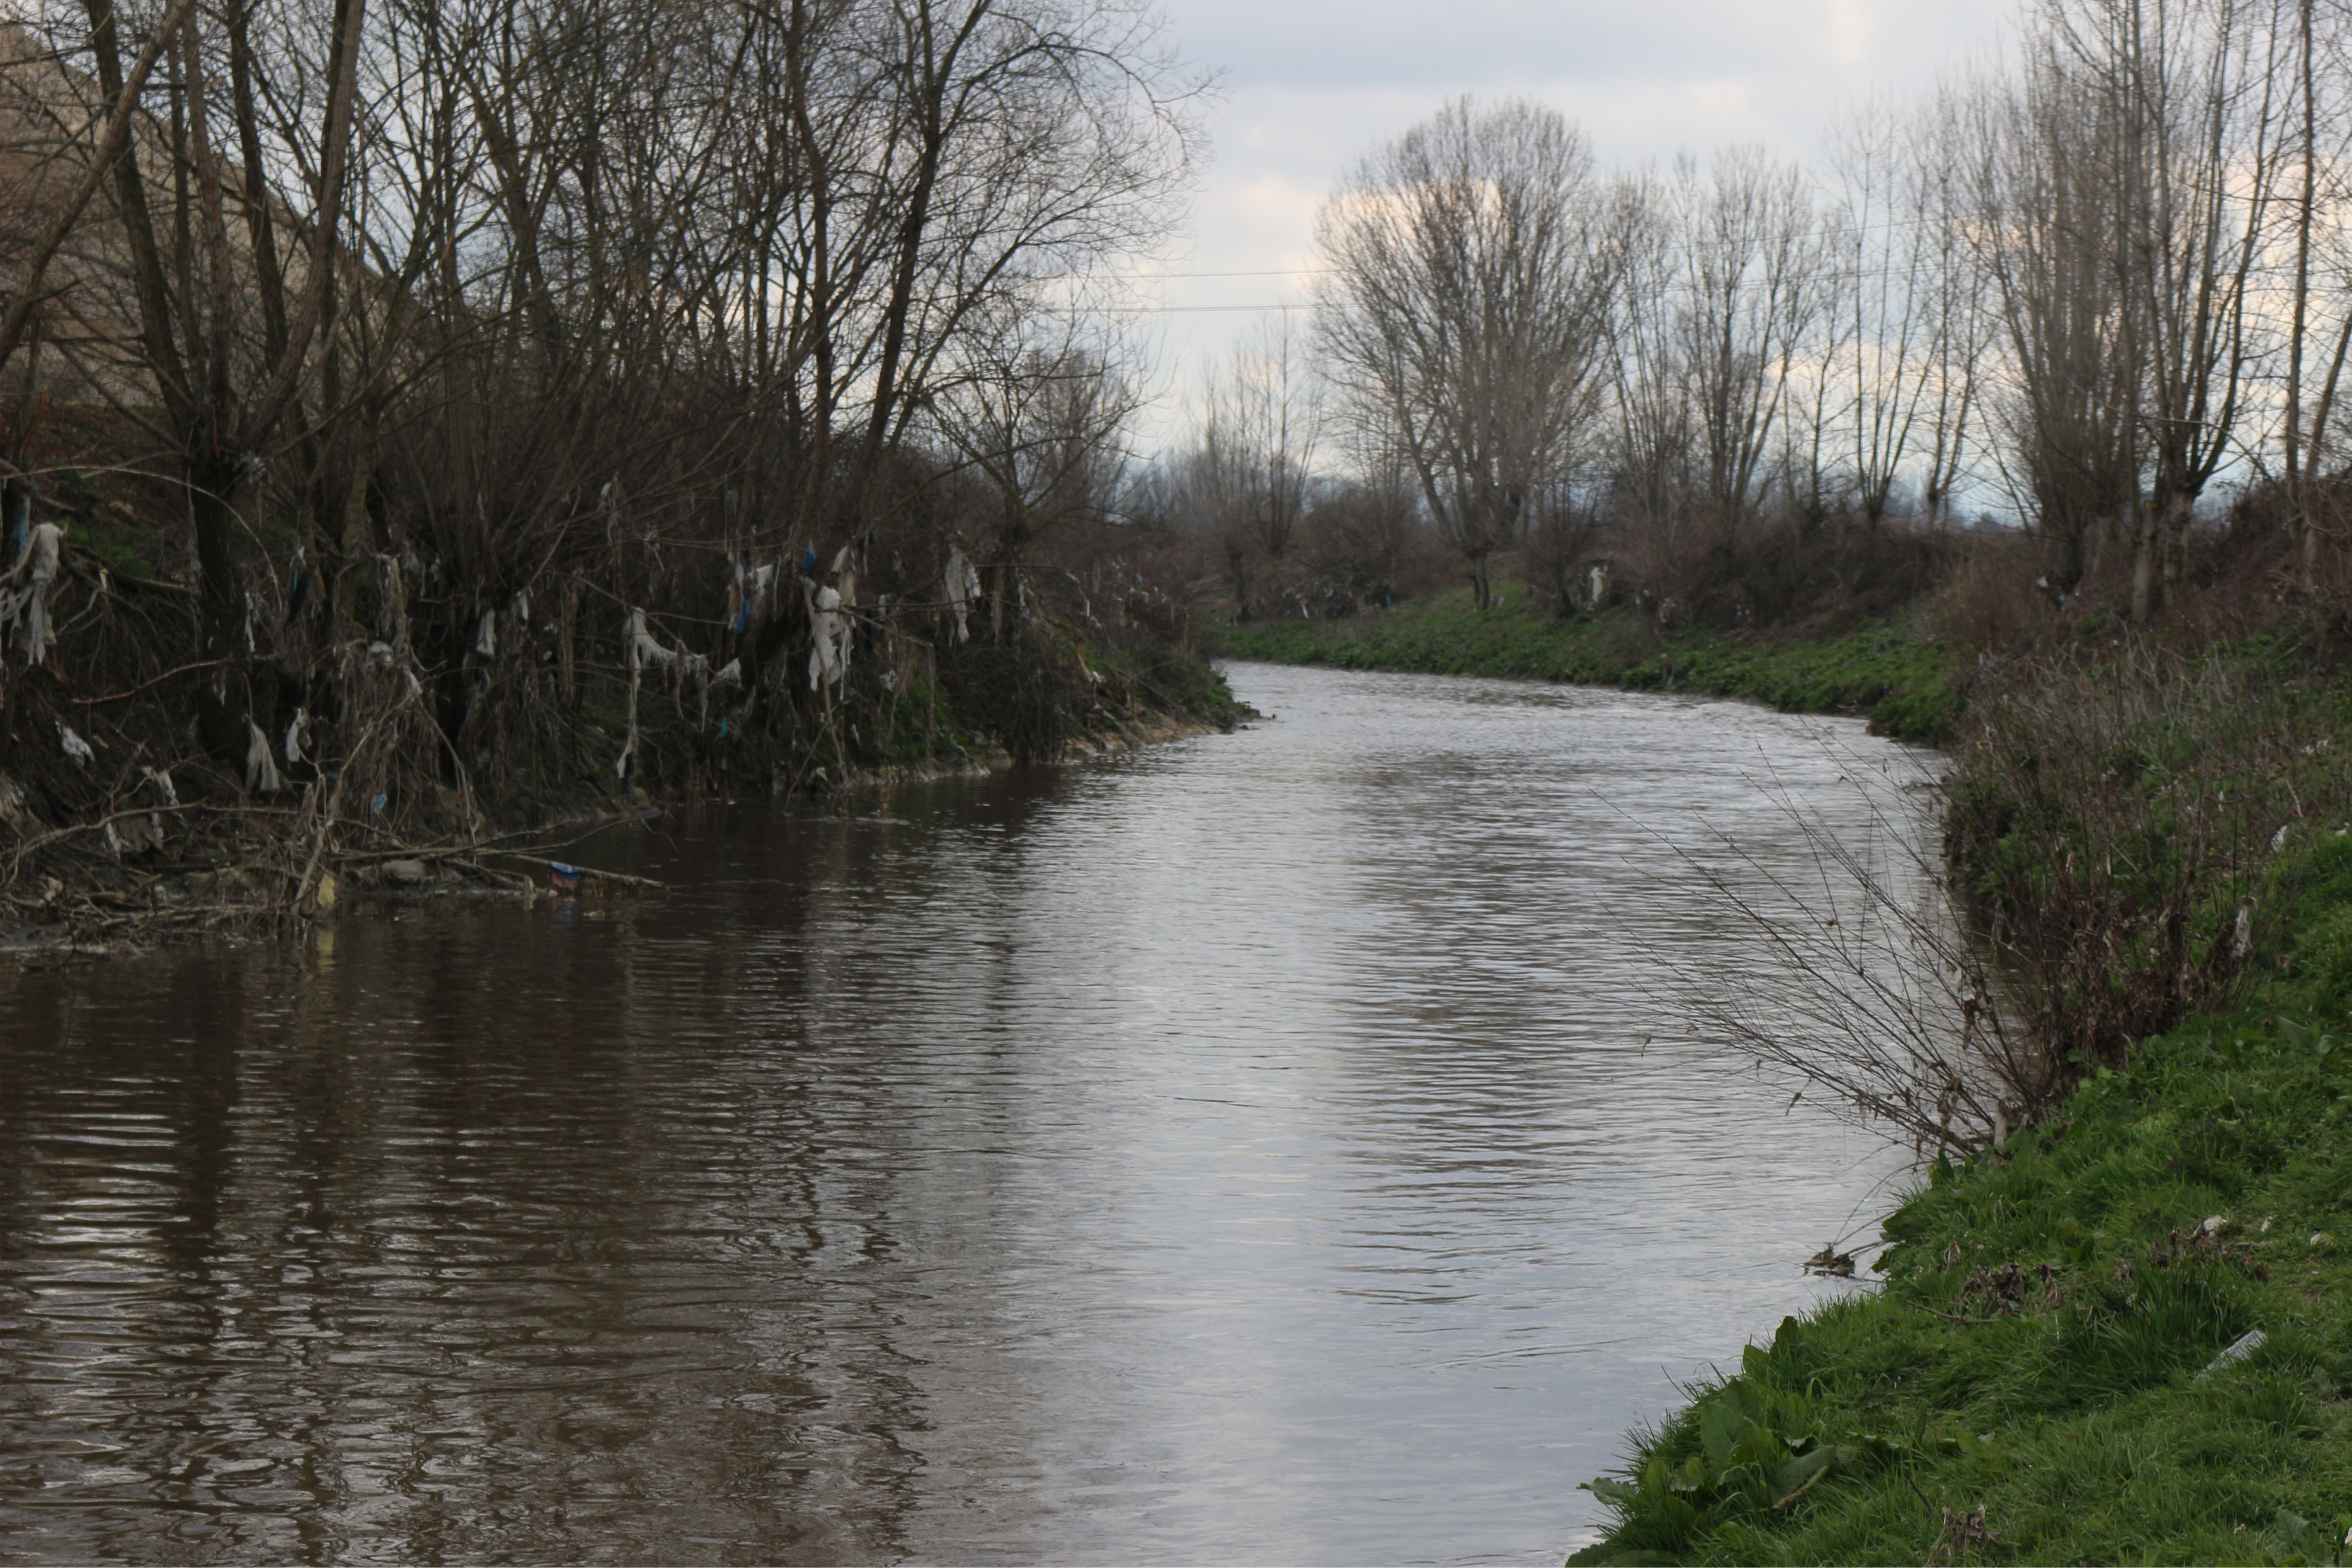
x=1249, y=1151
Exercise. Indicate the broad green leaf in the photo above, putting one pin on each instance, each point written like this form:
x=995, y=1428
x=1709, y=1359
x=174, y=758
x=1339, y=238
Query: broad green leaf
x=1719, y=1426
x=1796, y=1474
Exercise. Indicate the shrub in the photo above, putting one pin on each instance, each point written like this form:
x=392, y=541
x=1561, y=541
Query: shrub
x=2115, y=813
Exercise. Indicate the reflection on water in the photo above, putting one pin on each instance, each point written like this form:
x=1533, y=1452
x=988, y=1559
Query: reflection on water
x=1247, y=1151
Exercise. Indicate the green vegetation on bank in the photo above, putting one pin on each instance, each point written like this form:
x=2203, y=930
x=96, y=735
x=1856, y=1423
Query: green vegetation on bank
x=1905, y=683
x=2043, y=1376
x=2034, y=1364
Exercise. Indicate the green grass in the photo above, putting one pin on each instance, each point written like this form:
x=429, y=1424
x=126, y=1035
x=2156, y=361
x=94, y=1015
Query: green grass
x=2069, y=1405
x=1906, y=685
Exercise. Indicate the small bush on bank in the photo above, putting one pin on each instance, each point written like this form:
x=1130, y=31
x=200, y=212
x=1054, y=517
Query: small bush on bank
x=1996, y=597
x=1808, y=576
x=2114, y=809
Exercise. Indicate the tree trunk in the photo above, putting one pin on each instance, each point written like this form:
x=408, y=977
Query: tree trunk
x=2176, y=544
x=2148, y=584
x=209, y=479
x=226, y=704
x=352, y=562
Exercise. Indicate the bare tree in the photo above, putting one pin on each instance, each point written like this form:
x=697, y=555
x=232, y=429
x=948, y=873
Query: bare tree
x=1960, y=325
x=1250, y=472
x=1752, y=289
x=2045, y=211
x=2128, y=183
x=1472, y=263
x=1653, y=425
x=1040, y=412
x=1817, y=478
x=2321, y=135
x=2196, y=99
x=1721, y=352
x=1913, y=328
x=222, y=394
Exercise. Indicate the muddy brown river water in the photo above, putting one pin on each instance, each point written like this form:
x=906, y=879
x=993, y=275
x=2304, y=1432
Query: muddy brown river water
x=1246, y=1151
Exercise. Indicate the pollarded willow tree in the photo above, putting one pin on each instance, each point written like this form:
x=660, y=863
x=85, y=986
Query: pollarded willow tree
x=1472, y=265
x=2131, y=199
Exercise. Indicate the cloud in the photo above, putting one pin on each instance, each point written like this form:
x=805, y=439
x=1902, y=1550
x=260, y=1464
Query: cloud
x=1365, y=44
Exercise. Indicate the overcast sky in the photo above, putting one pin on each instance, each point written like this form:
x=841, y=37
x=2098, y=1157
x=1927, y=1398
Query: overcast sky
x=1311, y=85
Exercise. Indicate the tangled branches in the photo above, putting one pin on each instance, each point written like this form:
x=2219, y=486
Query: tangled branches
x=1874, y=997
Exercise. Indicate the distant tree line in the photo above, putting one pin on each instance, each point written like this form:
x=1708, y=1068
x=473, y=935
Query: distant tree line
x=2099, y=287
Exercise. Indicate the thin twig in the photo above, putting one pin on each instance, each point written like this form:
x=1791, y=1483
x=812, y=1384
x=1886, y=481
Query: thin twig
x=122, y=696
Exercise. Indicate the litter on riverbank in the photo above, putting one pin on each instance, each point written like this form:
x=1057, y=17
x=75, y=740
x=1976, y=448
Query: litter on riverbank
x=231, y=883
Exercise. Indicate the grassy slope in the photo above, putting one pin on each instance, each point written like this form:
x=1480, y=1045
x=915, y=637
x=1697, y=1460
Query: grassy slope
x=1905, y=685
x=2074, y=1415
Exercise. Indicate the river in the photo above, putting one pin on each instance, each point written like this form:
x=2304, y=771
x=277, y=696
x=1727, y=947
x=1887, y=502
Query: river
x=1247, y=1151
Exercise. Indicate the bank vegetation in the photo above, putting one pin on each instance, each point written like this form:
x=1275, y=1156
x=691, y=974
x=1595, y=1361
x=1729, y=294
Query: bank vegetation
x=418, y=420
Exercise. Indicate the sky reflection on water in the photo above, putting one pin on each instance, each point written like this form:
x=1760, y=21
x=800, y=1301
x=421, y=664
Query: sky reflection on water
x=1246, y=1151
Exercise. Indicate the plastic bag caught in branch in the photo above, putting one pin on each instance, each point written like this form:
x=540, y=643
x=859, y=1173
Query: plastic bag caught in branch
x=829, y=650
x=645, y=648
x=750, y=597
x=962, y=591
x=261, y=775
x=149, y=834
x=28, y=608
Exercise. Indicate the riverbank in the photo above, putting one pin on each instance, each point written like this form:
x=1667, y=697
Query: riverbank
x=93, y=869
x=2151, y=824
x=1906, y=682
x=424, y=677
x=2125, y=1332
x=2047, y=1373
x=2153, y=829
